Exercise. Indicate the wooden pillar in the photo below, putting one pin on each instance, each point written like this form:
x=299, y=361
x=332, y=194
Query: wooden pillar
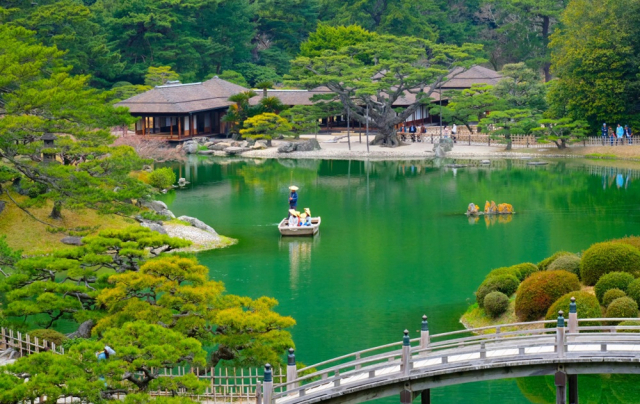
x=425, y=396
x=561, y=387
x=170, y=127
x=179, y=127
x=144, y=126
x=573, y=389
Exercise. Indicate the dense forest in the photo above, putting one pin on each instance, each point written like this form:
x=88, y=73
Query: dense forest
x=117, y=40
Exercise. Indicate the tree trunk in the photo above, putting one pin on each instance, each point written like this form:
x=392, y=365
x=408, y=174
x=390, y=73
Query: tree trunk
x=546, y=67
x=386, y=138
x=508, y=144
x=469, y=127
x=236, y=136
x=56, y=212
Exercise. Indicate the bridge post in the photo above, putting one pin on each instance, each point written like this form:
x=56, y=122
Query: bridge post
x=424, y=334
x=573, y=316
x=292, y=371
x=561, y=387
x=267, y=386
x=560, y=334
x=258, y=392
x=573, y=389
x=406, y=353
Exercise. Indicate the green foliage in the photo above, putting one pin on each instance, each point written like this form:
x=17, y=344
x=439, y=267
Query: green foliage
x=622, y=307
x=525, y=269
x=586, y=304
x=612, y=280
x=561, y=131
x=521, y=88
x=611, y=295
x=629, y=323
x=327, y=37
x=162, y=178
x=49, y=336
x=538, y=292
x=234, y=77
x=504, y=283
x=633, y=290
x=630, y=240
x=496, y=303
x=544, y=264
x=602, y=258
x=470, y=105
x=175, y=292
x=569, y=263
x=266, y=126
x=255, y=74
x=360, y=74
x=159, y=76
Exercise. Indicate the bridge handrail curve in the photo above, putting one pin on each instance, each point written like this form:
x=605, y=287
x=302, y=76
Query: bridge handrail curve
x=434, y=336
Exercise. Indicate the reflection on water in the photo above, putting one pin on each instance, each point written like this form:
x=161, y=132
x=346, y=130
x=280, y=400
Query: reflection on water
x=299, y=249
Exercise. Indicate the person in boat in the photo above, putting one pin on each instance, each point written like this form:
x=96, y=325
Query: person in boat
x=293, y=197
x=293, y=218
x=305, y=219
x=308, y=212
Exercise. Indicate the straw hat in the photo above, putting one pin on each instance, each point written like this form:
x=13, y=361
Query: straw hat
x=293, y=212
x=303, y=216
x=307, y=211
x=293, y=188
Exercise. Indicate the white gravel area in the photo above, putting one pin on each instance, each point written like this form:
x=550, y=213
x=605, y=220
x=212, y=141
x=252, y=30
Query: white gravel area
x=201, y=239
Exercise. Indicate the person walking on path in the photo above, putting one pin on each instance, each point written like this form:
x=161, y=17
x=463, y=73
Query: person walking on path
x=627, y=133
x=454, y=132
x=619, y=135
x=412, y=131
x=293, y=197
x=605, y=133
x=612, y=135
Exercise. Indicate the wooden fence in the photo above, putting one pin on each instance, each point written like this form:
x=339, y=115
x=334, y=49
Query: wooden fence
x=15, y=342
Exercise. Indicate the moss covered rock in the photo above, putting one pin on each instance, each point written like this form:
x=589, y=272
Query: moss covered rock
x=570, y=263
x=504, y=283
x=602, y=258
x=612, y=280
x=538, y=292
x=496, y=304
x=611, y=295
x=586, y=304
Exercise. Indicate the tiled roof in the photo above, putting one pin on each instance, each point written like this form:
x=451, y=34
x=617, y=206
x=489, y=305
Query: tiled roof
x=475, y=75
x=291, y=97
x=183, y=98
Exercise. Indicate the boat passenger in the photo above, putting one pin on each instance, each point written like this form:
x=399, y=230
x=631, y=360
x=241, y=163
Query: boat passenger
x=293, y=218
x=305, y=220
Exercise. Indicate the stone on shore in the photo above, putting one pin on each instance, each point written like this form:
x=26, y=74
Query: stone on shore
x=190, y=147
x=154, y=226
x=197, y=223
x=307, y=145
x=235, y=150
x=72, y=240
x=157, y=206
x=206, y=152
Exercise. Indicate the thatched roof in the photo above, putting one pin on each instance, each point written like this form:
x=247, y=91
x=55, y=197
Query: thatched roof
x=475, y=75
x=183, y=98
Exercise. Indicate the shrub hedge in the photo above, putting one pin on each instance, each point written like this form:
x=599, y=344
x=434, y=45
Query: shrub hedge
x=538, y=292
x=569, y=263
x=586, y=304
x=162, y=178
x=612, y=280
x=602, y=258
x=544, y=264
x=629, y=322
x=611, y=295
x=504, y=283
x=496, y=303
x=622, y=307
x=633, y=290
x=48, y=335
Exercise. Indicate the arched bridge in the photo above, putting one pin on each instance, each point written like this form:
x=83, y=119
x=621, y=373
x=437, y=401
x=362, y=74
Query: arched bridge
x=412, y=367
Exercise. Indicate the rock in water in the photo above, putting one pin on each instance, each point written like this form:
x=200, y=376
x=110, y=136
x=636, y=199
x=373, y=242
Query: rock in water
x=439, y=151
x=190, y=147
x=198, y=224
x=72, y=240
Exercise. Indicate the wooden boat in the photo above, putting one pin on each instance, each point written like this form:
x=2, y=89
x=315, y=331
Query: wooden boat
x=300, y=231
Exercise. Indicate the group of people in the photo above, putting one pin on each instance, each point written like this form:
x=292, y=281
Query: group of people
x=296, y=218
x=617, y=135
x=416, y=133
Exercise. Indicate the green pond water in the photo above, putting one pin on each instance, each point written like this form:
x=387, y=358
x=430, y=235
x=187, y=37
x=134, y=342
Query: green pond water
x=394, y=245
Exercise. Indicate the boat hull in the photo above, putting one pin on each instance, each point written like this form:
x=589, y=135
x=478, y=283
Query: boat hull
x=299, y=231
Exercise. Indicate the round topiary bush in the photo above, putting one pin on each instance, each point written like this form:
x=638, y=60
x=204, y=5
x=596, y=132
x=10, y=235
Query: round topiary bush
x=586, y=304
x=632, y=241
x=503, y=271
x=633, y=290
x=505, y=283
x=602, y=258
x=622, y=307
x=612, y=280
x=525, y=269
x=544, y=264
x=611, y=295
x=51, y=336
x=569, y=263
x=496, y=303
x=539, y=291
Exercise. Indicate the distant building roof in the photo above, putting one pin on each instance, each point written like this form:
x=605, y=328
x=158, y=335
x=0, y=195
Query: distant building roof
x=292, y=97
x=183, y=98
x=474, y=75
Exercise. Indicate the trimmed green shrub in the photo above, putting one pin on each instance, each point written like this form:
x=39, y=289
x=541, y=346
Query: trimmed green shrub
x=162, y=178
x=611, y=295
x=622, y=307
x=49, y=336
x=633, y=290
x=505, y=283
x=496, y=303
x=632, y=241
x=569, y=263
x=544, y=264
x=602, y=258
x=586, y=304
x=539, y=291
x=503, y=271
x=612, y=280
x=629, y=322
x=525, y=269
